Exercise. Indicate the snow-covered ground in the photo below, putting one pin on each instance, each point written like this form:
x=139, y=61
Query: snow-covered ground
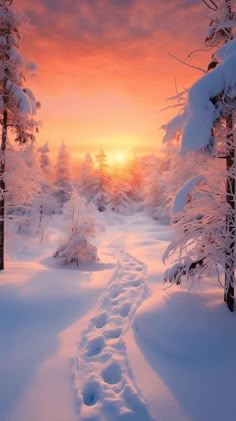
x=109, y=342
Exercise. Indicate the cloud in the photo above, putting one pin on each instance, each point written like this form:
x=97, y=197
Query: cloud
x=112, y=38
x=85, y=48
x=97, y=23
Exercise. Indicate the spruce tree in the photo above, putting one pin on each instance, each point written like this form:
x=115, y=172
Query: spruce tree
x=17, y=102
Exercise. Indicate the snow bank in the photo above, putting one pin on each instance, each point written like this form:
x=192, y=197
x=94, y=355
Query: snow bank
x=189, y=343
x=189, y=326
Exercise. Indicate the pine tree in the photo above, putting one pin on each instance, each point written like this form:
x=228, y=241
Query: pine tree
x=119, y=196
x=17, y=103
x=101, y=198
x=135, y=180
x=81, y=227
x=88, y=180
x=62, y=176
x=44, y=160
x=45, y=203
x=211, y=109
x=22, y=180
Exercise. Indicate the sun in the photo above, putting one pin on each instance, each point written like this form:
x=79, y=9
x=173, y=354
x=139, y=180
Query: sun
x=119, y=157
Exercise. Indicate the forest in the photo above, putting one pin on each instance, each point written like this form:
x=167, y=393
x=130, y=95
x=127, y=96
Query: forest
x=117, y=275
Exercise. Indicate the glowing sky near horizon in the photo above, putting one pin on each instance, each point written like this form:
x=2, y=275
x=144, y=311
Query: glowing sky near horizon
x=104, y=71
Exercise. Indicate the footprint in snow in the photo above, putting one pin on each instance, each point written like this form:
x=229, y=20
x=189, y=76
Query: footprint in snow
x=91, y=393
x=100, y=321
x=113, y=333
x=115, y=293
x=112, y=373
x=95, y=346
x=125, y=309
x=136, y=283
x=99, y=380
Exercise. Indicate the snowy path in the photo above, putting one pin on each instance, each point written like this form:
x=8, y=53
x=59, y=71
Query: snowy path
x=104, y=386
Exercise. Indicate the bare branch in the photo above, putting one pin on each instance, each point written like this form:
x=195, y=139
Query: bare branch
x=214, y=4
x=205, y=50
x=173, y=106
x=176, y=87
x=212, y=7
x=186, y=64
x=206, y=17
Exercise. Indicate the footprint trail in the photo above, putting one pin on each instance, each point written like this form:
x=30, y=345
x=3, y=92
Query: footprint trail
x=103, y=384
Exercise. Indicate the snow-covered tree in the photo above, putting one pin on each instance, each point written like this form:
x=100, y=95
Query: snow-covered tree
x=81, y=228
x=101, y=196
x=176, y=175
x=119, y=196
x=22, y=180
x=45, y=203
x=151, y=192
x=208, y=125
x=44, y=160
x=135, y=179
x=24, y=186
x=17, y=102
x=62, y=176
x=88, y=180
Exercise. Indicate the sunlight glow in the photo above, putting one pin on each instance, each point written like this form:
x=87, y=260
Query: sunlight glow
x=119, y=157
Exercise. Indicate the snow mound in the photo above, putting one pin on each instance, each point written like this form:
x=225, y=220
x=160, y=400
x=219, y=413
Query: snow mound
x=189, y=326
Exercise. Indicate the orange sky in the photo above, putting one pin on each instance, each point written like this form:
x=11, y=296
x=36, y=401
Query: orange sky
x=104, y=70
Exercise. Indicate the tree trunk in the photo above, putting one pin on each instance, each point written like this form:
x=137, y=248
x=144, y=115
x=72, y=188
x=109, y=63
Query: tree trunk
x=2, y=190
x=230, y=219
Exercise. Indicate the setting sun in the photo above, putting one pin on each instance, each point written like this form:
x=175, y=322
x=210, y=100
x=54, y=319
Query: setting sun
x=119, y=157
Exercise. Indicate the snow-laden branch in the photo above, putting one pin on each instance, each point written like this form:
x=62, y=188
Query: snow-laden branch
x=174, y=126
x=183, y=194
x=202, y=112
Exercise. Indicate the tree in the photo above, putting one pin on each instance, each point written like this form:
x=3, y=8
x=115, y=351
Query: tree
x=151, y=191
x=45, y=203
x=62, y=176
x=209, y=127
x=22, y=180
x=44, y=160
x=17, y=103
x=23, y=186
x=101, y=197
x=81, y=228
x=119, y=196
x=135, y=179
x=87, y=178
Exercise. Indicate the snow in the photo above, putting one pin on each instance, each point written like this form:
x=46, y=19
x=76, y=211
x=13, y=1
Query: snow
x=201, y=111
x=197, y=120
x=23, y=101
x=182, y=334
x=39, y=305
x=173, y=127
x=183, y=194
x=109, y=341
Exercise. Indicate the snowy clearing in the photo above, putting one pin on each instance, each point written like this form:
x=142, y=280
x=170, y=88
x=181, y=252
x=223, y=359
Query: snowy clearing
x=110, y=342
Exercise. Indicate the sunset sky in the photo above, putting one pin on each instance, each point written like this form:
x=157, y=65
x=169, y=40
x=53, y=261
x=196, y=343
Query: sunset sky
x=104, y=71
